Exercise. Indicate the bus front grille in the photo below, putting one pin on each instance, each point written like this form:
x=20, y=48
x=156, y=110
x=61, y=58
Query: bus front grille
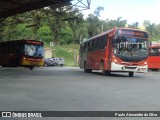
x=133, y=68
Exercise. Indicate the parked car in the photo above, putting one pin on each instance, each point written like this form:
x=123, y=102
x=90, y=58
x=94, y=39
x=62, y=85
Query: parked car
x=50, y=62
x=60, y=61
x=53, y=61
x=47, y=62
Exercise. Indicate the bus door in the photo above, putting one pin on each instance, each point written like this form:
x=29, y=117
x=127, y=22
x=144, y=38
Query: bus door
x=81, y=57
x=90, y=56
x=109, y=55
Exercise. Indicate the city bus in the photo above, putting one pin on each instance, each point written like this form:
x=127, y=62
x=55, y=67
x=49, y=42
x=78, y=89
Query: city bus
x=154, y=57
x=25, y=53
x=116, y=50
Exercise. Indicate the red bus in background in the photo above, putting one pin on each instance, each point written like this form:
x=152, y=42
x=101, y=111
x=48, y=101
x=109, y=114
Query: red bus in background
x=116, y=50
x=154, y=57
x=26, y=53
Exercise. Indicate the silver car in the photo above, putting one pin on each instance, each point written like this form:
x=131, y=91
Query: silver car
x=60, y=61
x=55, y=61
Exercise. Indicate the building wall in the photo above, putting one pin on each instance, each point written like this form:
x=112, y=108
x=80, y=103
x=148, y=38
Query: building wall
x=47, y=53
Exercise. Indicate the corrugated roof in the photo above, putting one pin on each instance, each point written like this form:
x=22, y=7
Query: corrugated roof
x=13, y=7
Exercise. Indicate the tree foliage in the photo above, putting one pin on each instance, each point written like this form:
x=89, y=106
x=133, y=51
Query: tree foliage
x=60, y=26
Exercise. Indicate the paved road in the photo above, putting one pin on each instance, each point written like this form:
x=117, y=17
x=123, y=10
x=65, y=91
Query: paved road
x=70, y=89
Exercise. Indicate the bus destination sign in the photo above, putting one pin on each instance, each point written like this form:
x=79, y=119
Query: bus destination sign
x=34, y=42
x=131, y=33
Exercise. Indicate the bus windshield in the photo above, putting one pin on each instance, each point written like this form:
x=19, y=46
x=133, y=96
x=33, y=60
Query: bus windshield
x=33, y=50
x=131, y=49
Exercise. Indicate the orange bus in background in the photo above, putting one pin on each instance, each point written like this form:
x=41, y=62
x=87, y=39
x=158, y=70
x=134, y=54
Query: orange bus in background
x=154, y=57
x=26, y=53
x=116, y=50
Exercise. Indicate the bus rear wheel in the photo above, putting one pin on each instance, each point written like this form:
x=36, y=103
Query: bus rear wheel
x=85, y=68
x=131, y=74
x=31, y=67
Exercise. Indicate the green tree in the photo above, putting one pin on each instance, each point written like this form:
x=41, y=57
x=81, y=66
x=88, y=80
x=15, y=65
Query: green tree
x=109, y=24
x=94, y=23
x=75, y=22
x=56, y=24
x=98, y=11
x=35, y=18
x=157, y=33
x=22, y=32
x=134, y=25
x=44, y=34
x=150, y=28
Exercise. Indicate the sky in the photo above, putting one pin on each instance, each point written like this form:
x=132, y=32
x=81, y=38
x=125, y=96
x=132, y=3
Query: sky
x=130, y=10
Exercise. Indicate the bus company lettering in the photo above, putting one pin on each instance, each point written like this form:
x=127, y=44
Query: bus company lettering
x=34, y=42
x=19, y=114
x=34, y=115
x=15, y=114
x=133, y=33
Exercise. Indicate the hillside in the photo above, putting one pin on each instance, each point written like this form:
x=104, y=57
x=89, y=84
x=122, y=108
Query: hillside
x=68, y=52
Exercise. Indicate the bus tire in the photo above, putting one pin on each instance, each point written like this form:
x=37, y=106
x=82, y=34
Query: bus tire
x=104, y=72
x=45, y=65
x=85, y=68
x=154, y=69
x=31, y=67
x=131, y=74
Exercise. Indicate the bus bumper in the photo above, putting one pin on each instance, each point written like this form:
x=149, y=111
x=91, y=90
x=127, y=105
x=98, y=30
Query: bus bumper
x=125, y=68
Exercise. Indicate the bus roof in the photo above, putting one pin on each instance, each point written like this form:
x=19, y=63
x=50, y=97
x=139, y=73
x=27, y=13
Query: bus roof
x=20, y=41
x=110, y=31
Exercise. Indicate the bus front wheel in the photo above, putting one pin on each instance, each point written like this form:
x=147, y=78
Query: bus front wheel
x=31, y=67
x=131, y=74
x=104, y=72
x=85, y=68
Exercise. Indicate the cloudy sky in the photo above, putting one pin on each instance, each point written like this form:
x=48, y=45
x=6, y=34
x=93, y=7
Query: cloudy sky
x=131, y=10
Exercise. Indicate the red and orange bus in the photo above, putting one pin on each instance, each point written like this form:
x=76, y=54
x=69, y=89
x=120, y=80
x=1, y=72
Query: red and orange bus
x=26, y=53
x=154, y=57
x=116, y=50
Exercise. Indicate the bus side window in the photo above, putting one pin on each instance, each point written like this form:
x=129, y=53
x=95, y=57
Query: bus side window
x=94, y=45
x=104, y=40
x=101, y=43
x=81, y=50
x=90, y=46
x=87, y=47
x=154, y=52
x=98, y=44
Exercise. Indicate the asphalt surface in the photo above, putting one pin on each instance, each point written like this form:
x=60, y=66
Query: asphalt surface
x=70, y=89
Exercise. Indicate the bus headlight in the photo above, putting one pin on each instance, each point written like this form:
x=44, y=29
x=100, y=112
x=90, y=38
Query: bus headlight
x=115, y=60
x=145, y=63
